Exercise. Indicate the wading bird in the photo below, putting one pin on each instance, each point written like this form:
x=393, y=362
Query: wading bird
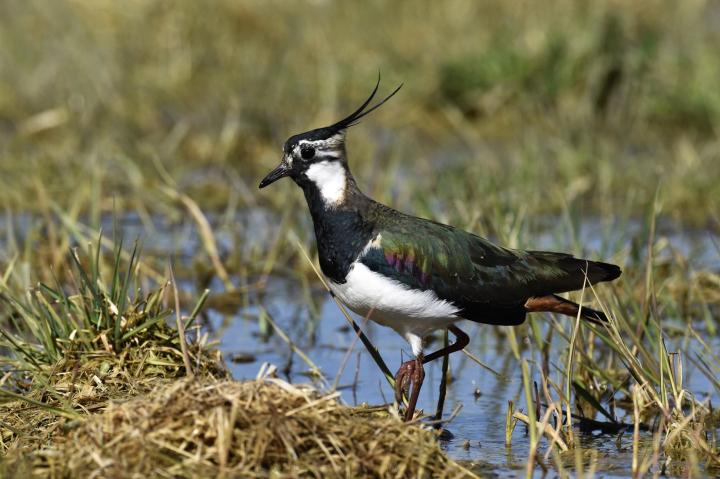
x=415, y=275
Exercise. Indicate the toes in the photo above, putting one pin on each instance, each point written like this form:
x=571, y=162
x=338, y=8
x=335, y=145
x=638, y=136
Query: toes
x=409, y=376
x=399, y=380
x=401, y=384
x=404, y=380
x=407, y=383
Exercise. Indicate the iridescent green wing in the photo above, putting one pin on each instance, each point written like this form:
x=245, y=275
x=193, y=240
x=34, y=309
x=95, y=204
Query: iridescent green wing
x=427, y=255
x=469, y=270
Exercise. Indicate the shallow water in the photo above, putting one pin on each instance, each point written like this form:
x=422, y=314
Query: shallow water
x=315, y=325
x=479, y=426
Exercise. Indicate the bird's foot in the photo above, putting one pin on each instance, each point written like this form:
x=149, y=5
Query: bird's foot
x=408, y=382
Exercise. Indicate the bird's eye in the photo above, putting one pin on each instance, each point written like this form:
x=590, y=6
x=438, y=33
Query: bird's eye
x=307, y=152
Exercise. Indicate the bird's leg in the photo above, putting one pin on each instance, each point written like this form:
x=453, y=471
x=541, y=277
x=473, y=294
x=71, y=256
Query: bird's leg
x=461, y=340
x=411, y=373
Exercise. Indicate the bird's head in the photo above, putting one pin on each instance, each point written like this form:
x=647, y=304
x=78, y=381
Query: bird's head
x=318, y=156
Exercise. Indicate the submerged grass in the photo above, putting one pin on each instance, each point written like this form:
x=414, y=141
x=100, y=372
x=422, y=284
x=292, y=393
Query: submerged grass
x=647, y=385
x=622, y=378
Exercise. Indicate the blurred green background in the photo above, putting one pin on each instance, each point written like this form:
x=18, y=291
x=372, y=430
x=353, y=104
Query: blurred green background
x=510, y=110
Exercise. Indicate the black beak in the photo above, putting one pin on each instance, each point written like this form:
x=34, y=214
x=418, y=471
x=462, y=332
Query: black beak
x=279, y=172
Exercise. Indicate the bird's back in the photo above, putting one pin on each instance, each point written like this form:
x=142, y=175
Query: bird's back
x=472, y=272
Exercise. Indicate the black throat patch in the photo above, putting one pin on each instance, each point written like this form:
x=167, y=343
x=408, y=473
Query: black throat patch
x=342, y=231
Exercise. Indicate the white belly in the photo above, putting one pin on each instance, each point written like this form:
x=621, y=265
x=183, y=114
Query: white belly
x=408, y=311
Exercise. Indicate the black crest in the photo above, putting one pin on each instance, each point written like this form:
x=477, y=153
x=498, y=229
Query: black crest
x=347, y=122
x=355, y=116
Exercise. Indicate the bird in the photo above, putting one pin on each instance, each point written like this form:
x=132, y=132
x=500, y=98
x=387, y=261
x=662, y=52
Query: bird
x=416, y=275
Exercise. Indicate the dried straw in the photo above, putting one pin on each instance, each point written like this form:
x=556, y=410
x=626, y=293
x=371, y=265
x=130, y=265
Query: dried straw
x=208, y=428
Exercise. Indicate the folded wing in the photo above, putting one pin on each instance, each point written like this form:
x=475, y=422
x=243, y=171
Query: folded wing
x=478, y=276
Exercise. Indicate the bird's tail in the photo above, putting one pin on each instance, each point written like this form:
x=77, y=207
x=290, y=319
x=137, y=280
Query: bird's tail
x=555, y=304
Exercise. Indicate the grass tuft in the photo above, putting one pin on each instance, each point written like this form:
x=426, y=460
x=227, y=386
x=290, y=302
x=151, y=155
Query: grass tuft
x=243, y=429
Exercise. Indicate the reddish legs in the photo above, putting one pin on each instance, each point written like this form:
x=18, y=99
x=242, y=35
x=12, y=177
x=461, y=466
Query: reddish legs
x=411, y=374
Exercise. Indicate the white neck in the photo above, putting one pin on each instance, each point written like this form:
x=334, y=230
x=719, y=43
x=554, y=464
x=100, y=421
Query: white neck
x=330, y=179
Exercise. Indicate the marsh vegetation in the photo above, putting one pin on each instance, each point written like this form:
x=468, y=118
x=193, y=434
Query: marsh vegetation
x=572, y=126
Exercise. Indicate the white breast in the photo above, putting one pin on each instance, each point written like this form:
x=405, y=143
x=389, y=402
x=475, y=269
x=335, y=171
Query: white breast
x=411, y=312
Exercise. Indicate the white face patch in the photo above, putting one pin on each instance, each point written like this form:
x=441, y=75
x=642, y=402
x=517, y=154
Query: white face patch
x=330, y=179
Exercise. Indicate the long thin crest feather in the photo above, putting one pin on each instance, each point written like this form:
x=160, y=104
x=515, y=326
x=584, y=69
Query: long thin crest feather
x=355, y=116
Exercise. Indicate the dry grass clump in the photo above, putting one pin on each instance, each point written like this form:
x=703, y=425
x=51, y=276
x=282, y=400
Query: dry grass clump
x=261, y=428
x=66, y=351
x=56, y=397
x=98, y=384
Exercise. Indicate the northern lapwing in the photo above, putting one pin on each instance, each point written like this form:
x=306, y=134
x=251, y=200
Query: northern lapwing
x=416, y=275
